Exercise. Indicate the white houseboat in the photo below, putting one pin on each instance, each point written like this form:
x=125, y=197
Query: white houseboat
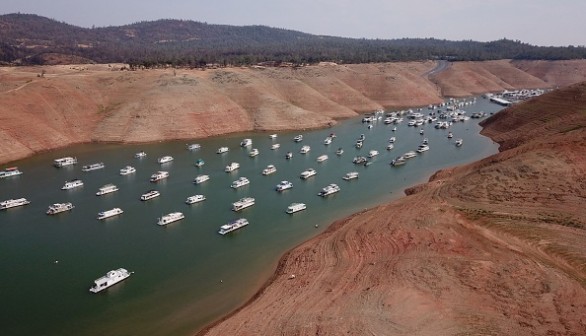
x=165, y=159
x=150, y=195
x=59, y=207
x=270, y=169
x=170, y=218
x=233, y=225
x=72, y=184
x=127, y=170
x=109, y=213
x=11, y=171
x=201, y=179
x=160, y=175
x=66, y=161
x=328, y=190
x=296, y=207
x=243, y=203
x=195, y=199
x=110, y=279
x=240, y=182
x=106, y=189
x=11, y=203
x=232, y=167
x=93, y=166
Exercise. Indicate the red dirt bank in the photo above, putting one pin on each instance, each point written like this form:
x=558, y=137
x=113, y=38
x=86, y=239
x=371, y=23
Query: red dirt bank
x=99, y=103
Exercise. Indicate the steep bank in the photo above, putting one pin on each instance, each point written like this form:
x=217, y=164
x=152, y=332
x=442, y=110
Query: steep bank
x=48, y=107
x=495, y=247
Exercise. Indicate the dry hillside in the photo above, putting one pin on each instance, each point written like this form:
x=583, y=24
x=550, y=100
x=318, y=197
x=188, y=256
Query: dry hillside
x=49, y=107
x=497, y=247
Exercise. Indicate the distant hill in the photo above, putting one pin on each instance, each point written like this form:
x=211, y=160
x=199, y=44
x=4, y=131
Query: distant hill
x=32, y=39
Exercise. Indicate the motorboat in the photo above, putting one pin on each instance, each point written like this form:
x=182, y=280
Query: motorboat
x=305, y=149
x=160, y=175
x=459, y=142
x=284, y=185
x=329, y=190
x=327, y=141
x=195, y=199
x=109, y=213
x=233, y=225
x=390, y=146
x=65, y=161
x=106, y=189
x=392, y=140
x=288, y=156
x=199, y=179
x=222, y=150
x=240, y=182
x=359, y=144
x=232, y=167
x=11, y=171
x=243, y=203
x=59, y=207
x=93, y=166
x=399, y=161
x=199, y=163
x=127, y=170
x=170, y=218
x=165, y=159
x=422, y=148
x=321, y=158
x=150, y=195
x=298, y=138
x=270, y=169
x=373, y=153
x=254, y=152
x=246, y=143
x=110, y=279
x=450, y=135
x=275, y=146
x=295, y=207
x=359, y=160
x=307, y=173
x=350, y=176
x=409, y=155
x=339, y=151
x=140, y=155
x=12, y=203
x=425, y=141
x=193, y=147
x=272, y=136
x=72, y=184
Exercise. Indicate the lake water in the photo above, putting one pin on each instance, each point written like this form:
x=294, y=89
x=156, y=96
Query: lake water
x=186, y=274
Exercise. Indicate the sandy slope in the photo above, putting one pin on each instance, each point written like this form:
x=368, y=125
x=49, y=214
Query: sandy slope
x=74, y=104
x=497, y=247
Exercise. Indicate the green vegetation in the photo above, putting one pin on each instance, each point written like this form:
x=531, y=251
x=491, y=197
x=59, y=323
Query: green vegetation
x=28, y=39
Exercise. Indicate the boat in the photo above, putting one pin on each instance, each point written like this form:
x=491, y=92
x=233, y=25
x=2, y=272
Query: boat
x=201, y=179
x=307, y=173
x=232, y=167
x=243, y=203
x=150, y=195
x=160, y=175
x=106, y=189
x=195, y=199
x=328, y=190
x=246, y=142
x=392, y=140
x=450, y=135
x=305, y=149
x=409, y=155
x=222, y=150
x=394, y=129
x=233, y=225
x=425, y=141
x=321, y=158
x=327, y=141
x=372, y=153
x=240, y=182
x=362, y=137
x=93, y=166
x=358, y=144
x=399, y=161
x=72, y=184
x=298, y=138
x=275, y=146
x=127, y=170
x=11, y=203
x=390, y=146
x=140, y=155
x=339, y=151
x=254, y=152
x=170, y=218
x=273, y=136
x=295, y=207
x=193, y=147
x=332, y=135
x=109, y=213
x=59, y=207
x=459, y=142
x=350, y=176
x=288, y=156
x=422, y=148
x=284, y=185
x=359, y=160
x=270, y=169
x=165, y=159
x=199, y=163
x=66, y=161
x=110, y=279
x=11, y=171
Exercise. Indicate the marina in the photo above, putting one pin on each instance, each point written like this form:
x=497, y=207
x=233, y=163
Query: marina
x=194, y=240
